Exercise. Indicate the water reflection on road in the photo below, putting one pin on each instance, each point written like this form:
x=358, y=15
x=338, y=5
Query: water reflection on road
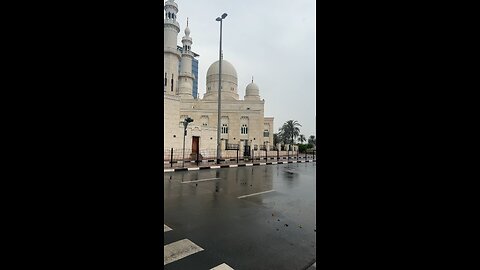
x=268, y=210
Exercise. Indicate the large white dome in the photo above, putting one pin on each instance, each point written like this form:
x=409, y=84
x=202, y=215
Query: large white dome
x=229, y=81
x=227, y=69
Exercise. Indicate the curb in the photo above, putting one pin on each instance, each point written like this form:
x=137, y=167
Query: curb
x=235, y=165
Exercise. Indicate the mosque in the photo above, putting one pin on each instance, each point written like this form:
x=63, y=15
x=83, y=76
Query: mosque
x=243, y=123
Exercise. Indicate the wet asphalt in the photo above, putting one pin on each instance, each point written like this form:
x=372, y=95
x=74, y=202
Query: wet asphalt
x=273, y=230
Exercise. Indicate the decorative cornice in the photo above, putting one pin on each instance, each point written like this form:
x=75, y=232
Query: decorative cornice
x=172, y=51
x=187, y=75
x=188, y=54
x=169, y=23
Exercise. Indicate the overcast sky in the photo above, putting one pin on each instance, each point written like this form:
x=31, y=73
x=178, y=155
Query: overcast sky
x=271, y=40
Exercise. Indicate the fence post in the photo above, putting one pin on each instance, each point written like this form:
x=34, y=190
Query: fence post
x=198, y=156
x=278, y=154
x=297, y=154
x=313, y=154
x=266, y=155
x=237, y=155
x=171, y=157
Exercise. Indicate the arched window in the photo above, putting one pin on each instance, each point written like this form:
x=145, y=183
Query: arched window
x=244, y=125
x=224, y=128
x=266, y=128
x=244, y=129
x=204, y=120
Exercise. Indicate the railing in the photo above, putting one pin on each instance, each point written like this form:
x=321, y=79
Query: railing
x=175, y=156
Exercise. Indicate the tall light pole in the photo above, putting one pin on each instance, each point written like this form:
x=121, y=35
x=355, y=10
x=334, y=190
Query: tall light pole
x=219, y=145
x=185, y=124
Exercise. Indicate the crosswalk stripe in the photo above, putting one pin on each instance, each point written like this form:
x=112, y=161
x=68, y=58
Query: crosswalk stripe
x=258, y=193
x=179, y=250
x=200, y=180
x=166, y=228
x=222, y=266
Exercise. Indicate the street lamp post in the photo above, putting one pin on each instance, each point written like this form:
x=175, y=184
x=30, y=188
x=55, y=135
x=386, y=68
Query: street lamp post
x=185, y=124
x=219, y=146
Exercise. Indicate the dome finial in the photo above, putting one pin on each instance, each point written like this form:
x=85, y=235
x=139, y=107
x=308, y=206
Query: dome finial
x=252, y=78
x=187, y=30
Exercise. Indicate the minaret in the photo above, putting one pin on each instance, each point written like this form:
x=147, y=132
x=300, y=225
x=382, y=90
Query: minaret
x=186, y=77
x=171, y=58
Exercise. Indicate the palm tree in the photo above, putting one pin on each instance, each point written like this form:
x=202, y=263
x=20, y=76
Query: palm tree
x=302, y=138
x=290, y=130
x=276, y=139
x=312, y=140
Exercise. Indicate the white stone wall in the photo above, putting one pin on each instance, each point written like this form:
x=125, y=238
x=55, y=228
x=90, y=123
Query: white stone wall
x=170, y=67
x=171, y=115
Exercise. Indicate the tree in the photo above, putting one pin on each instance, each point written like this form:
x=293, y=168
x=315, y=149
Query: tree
x=289, y=131
x=312, y=140
x=302, y=138
x=276, y=139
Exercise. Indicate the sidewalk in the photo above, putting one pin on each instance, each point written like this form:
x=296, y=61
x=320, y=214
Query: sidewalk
x=230, y=163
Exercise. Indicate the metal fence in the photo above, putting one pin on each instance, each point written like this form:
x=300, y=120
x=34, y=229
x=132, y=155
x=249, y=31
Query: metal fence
x=172, y=155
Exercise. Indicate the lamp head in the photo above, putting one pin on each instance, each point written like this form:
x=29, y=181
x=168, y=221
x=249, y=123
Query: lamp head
x=224, y=15
x=218, y=19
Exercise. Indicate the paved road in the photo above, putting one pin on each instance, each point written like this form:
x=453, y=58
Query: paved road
x=258, y=217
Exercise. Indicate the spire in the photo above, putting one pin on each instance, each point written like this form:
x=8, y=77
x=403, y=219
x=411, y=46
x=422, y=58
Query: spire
x=187, y=40
x=187, y=30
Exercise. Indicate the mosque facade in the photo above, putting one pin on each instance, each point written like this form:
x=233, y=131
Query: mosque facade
x=242, y=120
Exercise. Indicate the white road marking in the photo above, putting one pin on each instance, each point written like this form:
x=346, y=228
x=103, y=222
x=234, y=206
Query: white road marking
x=166, y=228
x=214, y=167
x=249, y=164
x=263, y=163
x=274, y=163
x=222, y=266
x=194, y=169
x=179, y=250
x=244, y=196
x=200, y=180
x=233, y=166
x=168, y=170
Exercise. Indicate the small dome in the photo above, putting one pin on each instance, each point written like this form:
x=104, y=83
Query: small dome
x=227, y=69
x=172, y=3
x=252, y=86
x=252, y=91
